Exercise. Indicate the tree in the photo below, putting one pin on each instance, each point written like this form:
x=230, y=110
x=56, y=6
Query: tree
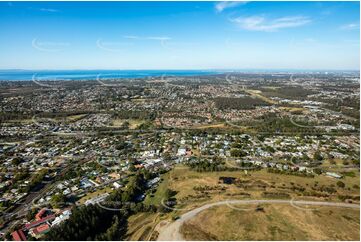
x=169, y=193
x=114, y=232
x=90, y=223
x=57, y=200
x=237, y=153
x=31, y=213
x=340, y=184
x=125, y=125
x=16, y=161
x=318, y=171
x=317, y=156
x=169, y=201
x=132, y=167
x=37, y=179
x=166, y=156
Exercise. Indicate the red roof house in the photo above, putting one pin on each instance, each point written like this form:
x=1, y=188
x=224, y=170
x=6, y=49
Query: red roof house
x=18, y=235
x=41, y=229
x=38, y=222
x=40, y=214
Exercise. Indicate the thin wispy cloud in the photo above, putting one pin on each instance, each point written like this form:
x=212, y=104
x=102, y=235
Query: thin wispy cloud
x=351, y=26
x=257, y=23
x=131, y=37
x=220, y=6
x=163, y=40
x=160, y=38
x=50, y=10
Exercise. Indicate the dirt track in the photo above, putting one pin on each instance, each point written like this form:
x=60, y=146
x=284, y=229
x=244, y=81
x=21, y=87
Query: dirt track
x=171, y=231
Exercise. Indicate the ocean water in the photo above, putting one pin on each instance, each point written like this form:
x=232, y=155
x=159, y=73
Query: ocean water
x=53, y=75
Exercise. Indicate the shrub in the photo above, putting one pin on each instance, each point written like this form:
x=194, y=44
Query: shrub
x=340, y=184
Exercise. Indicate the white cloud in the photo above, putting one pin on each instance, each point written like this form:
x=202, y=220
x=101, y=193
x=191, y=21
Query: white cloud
x=131, y=37
x=220, y=6
x=160, y=38
x=163, y=40
x=256, y=23
x=351, y=26
x=51, y=10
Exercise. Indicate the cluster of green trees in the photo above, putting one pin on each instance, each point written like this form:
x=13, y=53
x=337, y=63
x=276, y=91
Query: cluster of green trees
x=208, y=188
x=108, y=221
x=31, y=213
x=248, y=165
x=169, y=201
x=288, y=92
x=129, y=114
x=317, y=156
x=17, y=161
x=146, y=125
x=216, y=164
x=238, y=153
x=275, y=124
x=288, y=172
x=6, y=116
x=35, y=181
x=340, y=184
x=345, y=197
x=276, y=195
x=349, y=106
x=91, y=223
x=57, y=200
x=206, y=165
x=134, y=190
x=225, y=103
x=329, y=189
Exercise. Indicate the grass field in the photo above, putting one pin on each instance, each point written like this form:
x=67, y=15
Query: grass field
x=21, y=121
x=95, y=194
x=258, y=94
x=275, y=222
x=141, y=226
x=139, y=100
x=183, y=180
x=221, y=126
x=73, y=118
x=157, y=197
x=292, y=109
x=271, y=87
x=338, y=163
x=209, y=126
x=133, y=123
x=68, y=119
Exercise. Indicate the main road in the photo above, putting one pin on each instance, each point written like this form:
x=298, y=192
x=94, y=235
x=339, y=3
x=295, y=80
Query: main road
x=171, y=232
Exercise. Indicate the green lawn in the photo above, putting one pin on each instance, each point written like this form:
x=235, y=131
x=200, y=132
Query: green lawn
x=157, y=197
x=95, y=194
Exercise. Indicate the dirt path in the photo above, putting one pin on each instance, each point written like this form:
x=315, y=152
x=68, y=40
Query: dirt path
x=171, y=231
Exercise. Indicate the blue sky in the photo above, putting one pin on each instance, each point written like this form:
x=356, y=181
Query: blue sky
x=179, y=35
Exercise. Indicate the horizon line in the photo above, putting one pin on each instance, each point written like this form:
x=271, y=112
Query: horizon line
x=181, y=69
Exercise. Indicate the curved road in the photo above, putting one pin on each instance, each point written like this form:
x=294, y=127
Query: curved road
x=171, y=232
